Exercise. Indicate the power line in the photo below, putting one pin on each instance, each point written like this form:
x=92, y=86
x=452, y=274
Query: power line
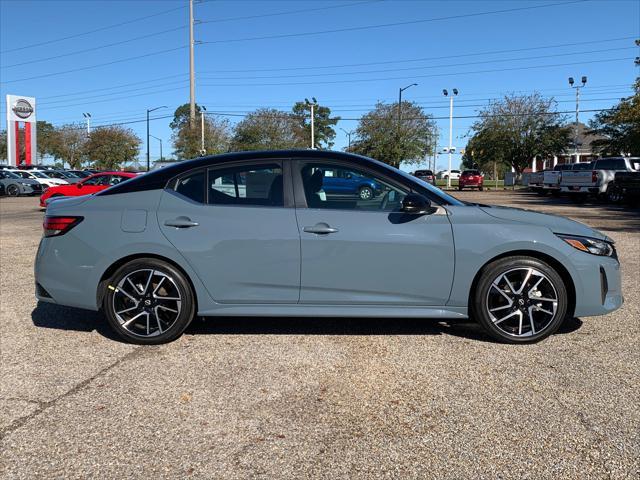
x=91, y=49
x=494, y=52
x=416, y=76
x=76, y=35
x=89, y=67
x=394, y=24
x=291, y=12
x=332, y=74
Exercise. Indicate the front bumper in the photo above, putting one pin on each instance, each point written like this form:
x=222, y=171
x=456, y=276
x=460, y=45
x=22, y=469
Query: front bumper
x=599, y=285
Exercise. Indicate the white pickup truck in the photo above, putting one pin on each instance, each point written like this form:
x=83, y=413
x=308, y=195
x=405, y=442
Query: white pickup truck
x=598, y=178
x=548, y=180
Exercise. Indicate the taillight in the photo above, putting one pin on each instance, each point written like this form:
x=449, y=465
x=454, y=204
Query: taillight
x=594, y=176
x=55, y=226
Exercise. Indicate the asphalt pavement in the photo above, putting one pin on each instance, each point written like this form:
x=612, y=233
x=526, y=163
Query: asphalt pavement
x=317, y=398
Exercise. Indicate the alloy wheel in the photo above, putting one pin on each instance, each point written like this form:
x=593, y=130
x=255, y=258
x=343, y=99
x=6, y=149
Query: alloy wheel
x=147, y=302
x=13, y=190
x=365, y=193
x=522, y=302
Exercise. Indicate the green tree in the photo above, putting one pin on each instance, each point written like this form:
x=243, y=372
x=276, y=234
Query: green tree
x=46, y=138
x=67, y=144
x=111, y=147
x=620, y=126
x=268, y=129
x=324, y=133
x=515, y=129
x=187, y=141
x=381, y=136
x=3, y=145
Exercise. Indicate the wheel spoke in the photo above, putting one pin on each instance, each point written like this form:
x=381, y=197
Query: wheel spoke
x=159, y=297
x=524, y=282
x=155, y=311
x=542, y=299
x=520, y=322
x=533, y=327
x=499, y=308
x=496, y=321
x=495, y=285
x=122, y=290
x=146, y=287
x=132, y=319
x=127, y=310
x=543, y=310
x=135, y=287
x=167, y=309
x=158, y=285
x=509, y=284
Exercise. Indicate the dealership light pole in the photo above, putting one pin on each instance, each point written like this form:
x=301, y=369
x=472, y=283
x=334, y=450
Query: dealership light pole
x=192, y=77
x=160, y=140
x=348, y=135
x=400, y=116
x=446, y=94
x=575, y=131
x=312, y=104
x=87, y=116
x=202, y=149
x=149, y=110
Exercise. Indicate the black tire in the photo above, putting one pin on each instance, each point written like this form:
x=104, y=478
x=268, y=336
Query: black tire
x=13, y=190
x=365, y=193
x=541, y=191
x=177, y=286
x=614, y=194
x=481, y=188
x=544, y=324
x=460, y=188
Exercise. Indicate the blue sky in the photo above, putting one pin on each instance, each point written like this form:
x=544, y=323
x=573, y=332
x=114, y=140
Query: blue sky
x=113, y=62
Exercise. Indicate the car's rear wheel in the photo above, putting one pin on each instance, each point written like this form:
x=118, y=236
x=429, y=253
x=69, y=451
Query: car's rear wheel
x=520, y=300
x=480, y=188
x=148, y=301
x=460, y=187
x=614, y=193
x=365, y=193
x=13, y=190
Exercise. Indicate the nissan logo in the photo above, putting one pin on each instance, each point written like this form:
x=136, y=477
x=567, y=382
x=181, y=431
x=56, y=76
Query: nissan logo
x=22, y=108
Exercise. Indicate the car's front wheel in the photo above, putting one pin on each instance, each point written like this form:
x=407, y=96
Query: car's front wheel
x=148, y=301
x=520, y=300
x=13, y=190
x=365, y=193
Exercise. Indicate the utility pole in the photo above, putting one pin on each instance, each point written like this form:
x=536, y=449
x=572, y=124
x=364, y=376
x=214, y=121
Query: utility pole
x=348, y=136
x=312, y=104
x=202, y=149
x=575, y=131
x=400, y=118
x=88, y=117
x=446, y=93
x=192, y=79
x=160, y=140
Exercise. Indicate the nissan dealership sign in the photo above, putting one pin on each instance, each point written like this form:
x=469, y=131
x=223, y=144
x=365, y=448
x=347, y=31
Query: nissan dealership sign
x=21, y=109
x=21, y=116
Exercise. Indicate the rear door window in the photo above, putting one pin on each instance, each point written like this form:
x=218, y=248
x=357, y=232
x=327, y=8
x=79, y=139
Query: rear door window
x=192, y=186
x=248, y=185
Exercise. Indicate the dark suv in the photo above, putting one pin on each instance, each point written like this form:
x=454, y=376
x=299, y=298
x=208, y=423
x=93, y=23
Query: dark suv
x=425, y=175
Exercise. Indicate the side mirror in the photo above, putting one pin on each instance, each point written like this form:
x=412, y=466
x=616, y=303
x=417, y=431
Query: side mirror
x=415, y=203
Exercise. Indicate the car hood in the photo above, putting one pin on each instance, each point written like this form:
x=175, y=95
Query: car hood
x=30, y=181
x=555, y=223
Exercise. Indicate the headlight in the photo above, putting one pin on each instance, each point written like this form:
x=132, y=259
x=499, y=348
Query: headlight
x=590, y=245
x=26, y=184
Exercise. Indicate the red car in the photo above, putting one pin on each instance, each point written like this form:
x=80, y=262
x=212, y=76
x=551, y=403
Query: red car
x=86, y=186
x=470, y=179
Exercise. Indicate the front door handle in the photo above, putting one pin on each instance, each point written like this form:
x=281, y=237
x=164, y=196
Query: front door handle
x=320, y=229
x=181, y=222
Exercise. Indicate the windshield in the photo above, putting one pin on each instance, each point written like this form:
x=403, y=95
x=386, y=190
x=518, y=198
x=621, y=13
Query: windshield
x=635, y=163
x=38, y=174
x=69, y=175
x=436, y=191
x=9, y=174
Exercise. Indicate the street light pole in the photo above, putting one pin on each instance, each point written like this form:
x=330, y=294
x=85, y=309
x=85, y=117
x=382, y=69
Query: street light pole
x=149, y=110
x=202, y=149
x=192, y=78
x=312, y=104
x=446, y=93
x=348, y=136
x=575, y=131
x=88, y=117
x=400, y=117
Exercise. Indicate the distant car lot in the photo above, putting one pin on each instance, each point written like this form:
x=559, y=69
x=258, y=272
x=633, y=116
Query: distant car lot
x=292, y=398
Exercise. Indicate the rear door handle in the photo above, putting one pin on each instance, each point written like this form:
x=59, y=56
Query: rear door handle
x=320, y=229
x=181, y=222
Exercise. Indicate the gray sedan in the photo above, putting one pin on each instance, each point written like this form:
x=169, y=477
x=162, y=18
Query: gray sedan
x=255, y=233
x=15, y=185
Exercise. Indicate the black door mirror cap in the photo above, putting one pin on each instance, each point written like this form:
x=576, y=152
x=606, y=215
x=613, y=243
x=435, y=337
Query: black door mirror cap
x=415, y=203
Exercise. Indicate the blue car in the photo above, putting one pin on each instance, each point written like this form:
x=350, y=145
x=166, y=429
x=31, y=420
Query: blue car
x=265, y=234
x=340, y=181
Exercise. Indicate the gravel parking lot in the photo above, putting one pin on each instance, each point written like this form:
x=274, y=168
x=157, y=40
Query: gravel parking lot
x=298, y=398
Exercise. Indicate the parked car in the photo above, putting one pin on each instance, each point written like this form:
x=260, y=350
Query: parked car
x=598, y=180
x=471, y=179
x=41, y=177
x=86, y=186
x=455, y=174
x=536, y=181
x=15, y=185
x=627, y=186
x=426, y=175
x=3, y=190
x=63, y=175
x=345, y=182
x=157, y=250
